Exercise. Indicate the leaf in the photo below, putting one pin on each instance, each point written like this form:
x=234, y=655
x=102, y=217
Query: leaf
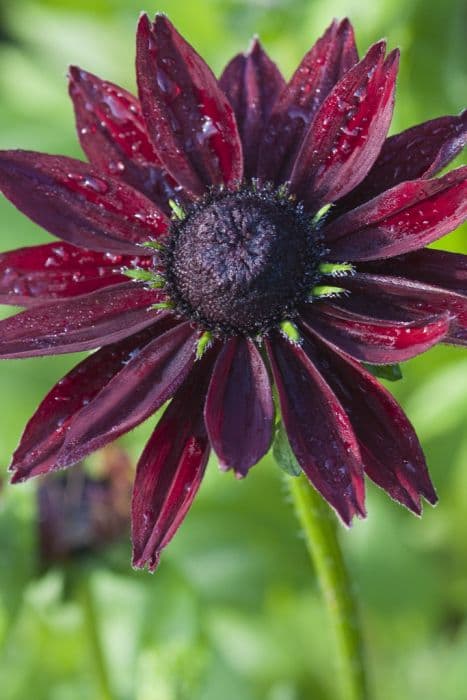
x=283, y=455
x=390, y=372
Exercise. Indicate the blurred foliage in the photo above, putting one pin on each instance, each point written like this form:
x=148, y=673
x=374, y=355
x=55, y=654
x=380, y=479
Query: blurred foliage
x=233, y=611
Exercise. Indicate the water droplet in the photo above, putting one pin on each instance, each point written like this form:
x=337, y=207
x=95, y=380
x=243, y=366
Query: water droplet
x=208, y=129
x=116, y=167
x=89, y=182
x=96, y=184
x=167, y=85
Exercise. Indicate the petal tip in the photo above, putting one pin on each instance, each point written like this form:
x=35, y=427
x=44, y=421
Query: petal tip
x=17, y=477
x=254, y=47
x=140, y=562
x=392, y=61
x=144, y=24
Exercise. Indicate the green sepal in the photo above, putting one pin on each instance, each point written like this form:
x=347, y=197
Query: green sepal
x=139, y=275
x=322, y=212
x=163, y=305
x=282, y=191
x=154, y=245
x=283, y=454
x=203, y=344
x=290, y=331
x=177, y=210
x=326, y=290
x=390, y=372
x=336, y=269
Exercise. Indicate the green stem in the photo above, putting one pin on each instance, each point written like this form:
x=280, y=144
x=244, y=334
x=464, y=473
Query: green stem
x=319, y=527
x=91, y=623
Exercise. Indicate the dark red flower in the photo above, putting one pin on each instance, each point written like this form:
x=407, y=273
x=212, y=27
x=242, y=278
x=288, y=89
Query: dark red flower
x=79, y=514
x=215, y=196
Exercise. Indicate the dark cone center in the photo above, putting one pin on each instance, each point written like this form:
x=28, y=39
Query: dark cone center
x=241, y=262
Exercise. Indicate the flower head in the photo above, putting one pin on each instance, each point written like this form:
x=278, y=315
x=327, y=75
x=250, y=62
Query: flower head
x=79, y=514
x=273, y=234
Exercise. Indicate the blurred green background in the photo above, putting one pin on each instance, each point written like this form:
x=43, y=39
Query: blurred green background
x=233, y=611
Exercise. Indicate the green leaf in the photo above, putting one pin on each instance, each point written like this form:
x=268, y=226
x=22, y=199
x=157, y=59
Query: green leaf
x=283, y=454
x=390, y=372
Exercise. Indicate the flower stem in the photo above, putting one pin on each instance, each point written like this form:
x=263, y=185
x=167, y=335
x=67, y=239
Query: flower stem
x=93, y=635
x=319, y=527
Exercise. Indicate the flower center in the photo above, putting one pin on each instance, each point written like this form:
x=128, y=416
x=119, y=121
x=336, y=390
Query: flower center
x=240, y=262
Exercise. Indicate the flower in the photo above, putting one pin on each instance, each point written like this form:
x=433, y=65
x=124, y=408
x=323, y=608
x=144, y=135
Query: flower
x=267, y=226
x=78, y=515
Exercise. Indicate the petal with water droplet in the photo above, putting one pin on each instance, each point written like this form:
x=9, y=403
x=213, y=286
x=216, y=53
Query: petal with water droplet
x=252, y=82
x=135, y=393
x=78, y=203
x=171, y=468
x=378, y=342
x=321, y=68
x=421, y=151
x=318, y=429
x=391, y=453
x=83, y=323
x=348, y=132
x=395, y=298
x=113, y=135
x=45, y=432
x=31, y=276
x=189, y=119
x=436, y=267
x=239, y=407
x=407, y=217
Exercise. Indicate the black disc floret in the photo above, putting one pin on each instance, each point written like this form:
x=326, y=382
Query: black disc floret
x=240, y=262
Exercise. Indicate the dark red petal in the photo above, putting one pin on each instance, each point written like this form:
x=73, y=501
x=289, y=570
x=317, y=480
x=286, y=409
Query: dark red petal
x=386, y=297
x=390, y=449
x=319, y=431
x=29, y=276
x=83, y=323
x=421, y=151
x=252, y=83
x=113, y=135
x=189, y=119
x=321, y=68
x=170, y=470
x=347, y=133
x=143, y=385
x=393, y=298
x=376, y=342
x=46, y=431
x=408, y=217
x=79, y=204
x=239, y=409
x=437, y=267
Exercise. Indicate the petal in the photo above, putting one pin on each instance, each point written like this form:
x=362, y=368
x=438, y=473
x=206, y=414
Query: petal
x=239, y=408
x=368, y=340
x=189, y=119
x=29, y=276
x=421, y=151
x=46, y=431
x=347, y=133
x=84, y=323
x=408, y=217
x=252, y=83
x=436, y=267
x=319, y=431
x=321, y=68
x=395, y=294
x=390, y=449
x=79, y=204
x=112, y=133
x=148, y=380
x=170, y=470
